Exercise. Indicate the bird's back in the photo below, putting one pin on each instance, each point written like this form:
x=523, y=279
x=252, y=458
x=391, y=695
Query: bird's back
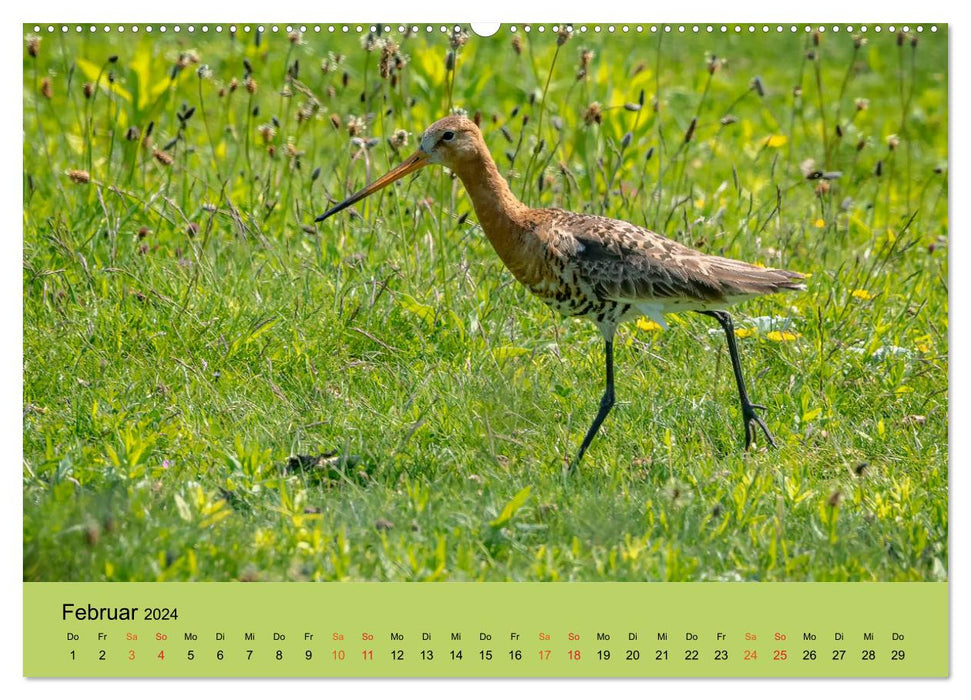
x=613, y=270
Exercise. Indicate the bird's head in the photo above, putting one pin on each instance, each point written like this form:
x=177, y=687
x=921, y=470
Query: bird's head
x=449, y=141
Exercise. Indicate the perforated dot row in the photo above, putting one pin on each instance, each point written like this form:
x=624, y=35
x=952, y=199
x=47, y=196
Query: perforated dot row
x=428, y=28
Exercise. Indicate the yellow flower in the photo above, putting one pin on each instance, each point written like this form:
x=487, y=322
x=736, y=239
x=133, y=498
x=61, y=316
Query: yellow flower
x=744, y=332
x=820, y=223
x=862, y=294
x=646, y=325
x=781, y=336
x=776, y=141
x=924, y=343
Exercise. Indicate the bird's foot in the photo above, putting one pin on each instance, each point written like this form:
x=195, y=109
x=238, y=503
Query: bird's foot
x=753, y=419
x=570, y=467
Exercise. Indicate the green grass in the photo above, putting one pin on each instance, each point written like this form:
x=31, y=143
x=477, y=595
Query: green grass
x=187, y=329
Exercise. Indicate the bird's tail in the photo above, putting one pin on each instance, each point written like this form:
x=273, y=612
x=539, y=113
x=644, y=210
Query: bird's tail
x=744, y=278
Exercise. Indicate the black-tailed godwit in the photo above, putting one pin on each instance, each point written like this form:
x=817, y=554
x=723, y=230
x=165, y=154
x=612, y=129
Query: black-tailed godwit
x=605, y=270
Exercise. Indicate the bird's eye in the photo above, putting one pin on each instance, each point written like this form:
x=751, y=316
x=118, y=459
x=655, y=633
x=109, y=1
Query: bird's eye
x=448, y=136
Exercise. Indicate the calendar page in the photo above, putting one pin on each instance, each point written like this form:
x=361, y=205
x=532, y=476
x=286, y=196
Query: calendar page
x=449, y=350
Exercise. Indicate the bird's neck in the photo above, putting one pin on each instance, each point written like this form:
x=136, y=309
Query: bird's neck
x=502, y=216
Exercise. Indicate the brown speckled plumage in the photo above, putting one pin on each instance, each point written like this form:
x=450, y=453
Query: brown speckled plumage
x=606, y=270
x=612, y=271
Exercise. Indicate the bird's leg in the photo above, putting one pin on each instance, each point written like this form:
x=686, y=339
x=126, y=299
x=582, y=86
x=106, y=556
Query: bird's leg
x=606, y=403
x=749, y=415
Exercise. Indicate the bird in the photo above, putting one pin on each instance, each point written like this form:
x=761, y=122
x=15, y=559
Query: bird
x=583, y=265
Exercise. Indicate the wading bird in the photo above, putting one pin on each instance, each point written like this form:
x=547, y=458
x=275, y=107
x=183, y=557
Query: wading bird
x=605, y=270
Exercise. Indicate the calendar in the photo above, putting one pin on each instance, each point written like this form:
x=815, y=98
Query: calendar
x=475, y=630
x=553, y=350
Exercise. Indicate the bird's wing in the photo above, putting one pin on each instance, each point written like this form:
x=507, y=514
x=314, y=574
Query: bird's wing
x=625, y=262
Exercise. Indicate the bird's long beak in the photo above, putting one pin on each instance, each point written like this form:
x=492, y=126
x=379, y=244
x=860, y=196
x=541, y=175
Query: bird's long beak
x=416, y=161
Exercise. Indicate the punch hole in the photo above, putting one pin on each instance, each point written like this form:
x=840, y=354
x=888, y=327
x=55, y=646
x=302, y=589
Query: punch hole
x=487, y=29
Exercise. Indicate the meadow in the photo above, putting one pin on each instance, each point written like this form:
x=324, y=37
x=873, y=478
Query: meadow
x=216, y=388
